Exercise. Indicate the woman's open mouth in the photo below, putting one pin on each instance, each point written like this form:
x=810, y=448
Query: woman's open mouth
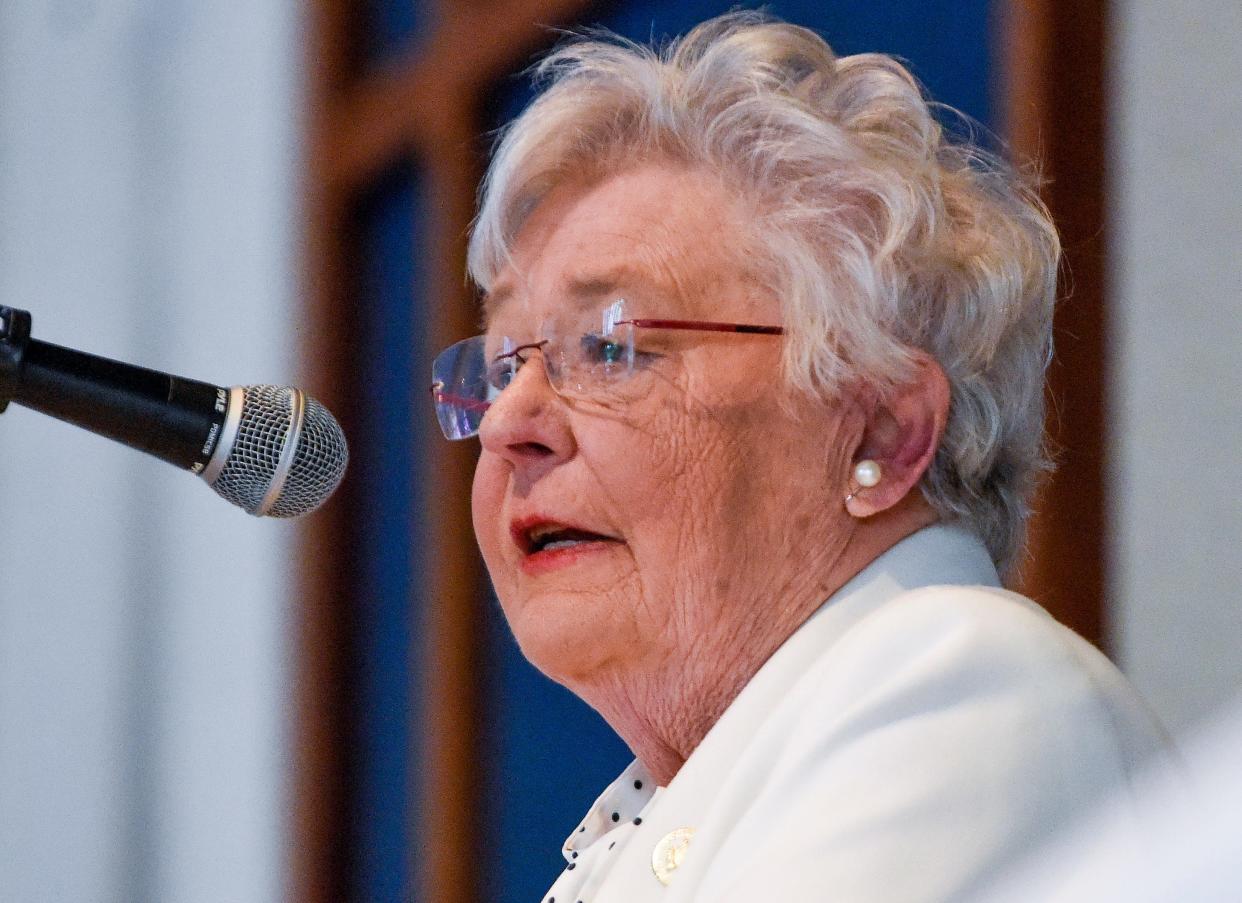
x=548, y=545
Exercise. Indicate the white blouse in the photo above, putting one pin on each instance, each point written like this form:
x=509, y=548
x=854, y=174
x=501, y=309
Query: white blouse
x=919, y=733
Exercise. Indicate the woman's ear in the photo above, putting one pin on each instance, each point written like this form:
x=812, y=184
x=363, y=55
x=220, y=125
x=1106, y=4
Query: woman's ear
x=901, y=436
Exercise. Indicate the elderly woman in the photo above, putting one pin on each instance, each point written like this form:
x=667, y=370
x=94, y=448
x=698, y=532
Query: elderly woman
x=776, y=440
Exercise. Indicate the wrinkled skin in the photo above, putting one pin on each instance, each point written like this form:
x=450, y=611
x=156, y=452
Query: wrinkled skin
x=724, y=489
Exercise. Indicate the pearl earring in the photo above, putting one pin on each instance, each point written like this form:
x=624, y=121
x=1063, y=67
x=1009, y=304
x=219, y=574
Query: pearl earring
x=866, y=474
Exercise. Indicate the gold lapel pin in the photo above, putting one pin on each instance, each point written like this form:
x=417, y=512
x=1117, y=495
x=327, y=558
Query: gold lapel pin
x=669, y=853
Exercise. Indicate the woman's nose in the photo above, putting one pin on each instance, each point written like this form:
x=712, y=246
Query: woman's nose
x=527, y=424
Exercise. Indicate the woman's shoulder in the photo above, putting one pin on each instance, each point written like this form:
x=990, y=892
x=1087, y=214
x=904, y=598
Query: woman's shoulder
x=976, y=622
x=987, y=649
x=945, y=731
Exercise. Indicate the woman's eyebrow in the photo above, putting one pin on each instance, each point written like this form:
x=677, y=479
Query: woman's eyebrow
x=619, y=279
x=593, y=287
x=581, y=288
x=579, y=291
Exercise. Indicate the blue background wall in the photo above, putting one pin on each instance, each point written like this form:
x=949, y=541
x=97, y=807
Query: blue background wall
x=389, y=226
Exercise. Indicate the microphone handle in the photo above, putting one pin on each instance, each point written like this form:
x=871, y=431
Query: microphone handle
x=177, y=420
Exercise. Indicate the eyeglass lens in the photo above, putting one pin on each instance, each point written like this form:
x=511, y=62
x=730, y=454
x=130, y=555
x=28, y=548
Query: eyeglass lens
x=587, y=356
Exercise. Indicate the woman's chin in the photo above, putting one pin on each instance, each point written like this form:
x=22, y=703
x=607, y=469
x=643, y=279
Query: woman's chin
x=557, y=634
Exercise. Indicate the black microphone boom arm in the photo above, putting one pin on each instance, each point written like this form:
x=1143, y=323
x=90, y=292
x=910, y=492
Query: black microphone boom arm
x=14, y=334
x=177, y=420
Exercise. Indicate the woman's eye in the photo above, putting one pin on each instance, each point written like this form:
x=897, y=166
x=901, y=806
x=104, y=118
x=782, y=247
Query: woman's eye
x=601, y=350
x=501, y=372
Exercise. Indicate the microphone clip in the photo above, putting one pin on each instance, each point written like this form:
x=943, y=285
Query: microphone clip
x=14, y=336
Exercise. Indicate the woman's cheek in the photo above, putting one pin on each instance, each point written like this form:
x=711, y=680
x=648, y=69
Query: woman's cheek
x=486, y=503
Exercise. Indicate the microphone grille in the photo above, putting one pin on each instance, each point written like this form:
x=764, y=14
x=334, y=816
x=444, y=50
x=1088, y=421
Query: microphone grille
x=318, y=463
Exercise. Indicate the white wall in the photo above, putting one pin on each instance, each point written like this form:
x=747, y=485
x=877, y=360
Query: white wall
x=148, y=161
x=1177, y=306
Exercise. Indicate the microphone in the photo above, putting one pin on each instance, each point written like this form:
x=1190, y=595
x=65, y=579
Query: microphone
x=270, y=450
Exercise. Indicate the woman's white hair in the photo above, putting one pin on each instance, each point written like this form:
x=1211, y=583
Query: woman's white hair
x=880, y=234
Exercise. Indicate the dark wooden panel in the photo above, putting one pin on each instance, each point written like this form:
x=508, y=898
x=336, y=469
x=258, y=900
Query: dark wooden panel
x=1057, y=109
x=359, y=122
x=319, y=858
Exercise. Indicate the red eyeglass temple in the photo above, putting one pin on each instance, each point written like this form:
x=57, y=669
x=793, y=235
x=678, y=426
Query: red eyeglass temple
x=471, y=404
x=704, y=326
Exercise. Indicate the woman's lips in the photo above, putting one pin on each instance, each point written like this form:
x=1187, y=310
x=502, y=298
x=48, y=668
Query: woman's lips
x=547, y=560
x=547, y=544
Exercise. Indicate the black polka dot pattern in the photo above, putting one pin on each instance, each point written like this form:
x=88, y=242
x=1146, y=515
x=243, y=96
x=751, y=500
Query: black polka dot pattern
x=615, y=813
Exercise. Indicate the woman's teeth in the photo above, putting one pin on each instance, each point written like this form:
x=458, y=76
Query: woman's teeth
x=562, y=544
x=562, y=538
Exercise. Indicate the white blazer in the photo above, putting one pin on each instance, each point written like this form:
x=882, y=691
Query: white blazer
x=912, y=739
